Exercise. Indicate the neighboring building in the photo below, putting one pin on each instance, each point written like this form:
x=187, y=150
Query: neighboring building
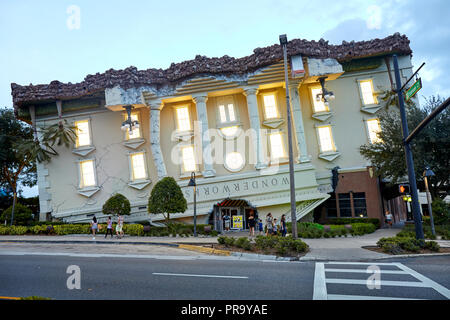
x=224, y=119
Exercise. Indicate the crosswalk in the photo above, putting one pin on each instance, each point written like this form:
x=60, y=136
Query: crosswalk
x=373, y=281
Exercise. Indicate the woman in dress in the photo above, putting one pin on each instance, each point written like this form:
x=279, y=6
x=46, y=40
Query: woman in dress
x=252, y=223
x=94, y=227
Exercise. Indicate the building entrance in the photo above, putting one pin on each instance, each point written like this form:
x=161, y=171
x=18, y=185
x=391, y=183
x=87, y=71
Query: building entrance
x=232, y=215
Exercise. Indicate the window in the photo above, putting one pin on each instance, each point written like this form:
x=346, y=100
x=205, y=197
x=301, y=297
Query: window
x=87, y=174
x=83, y=134
x=330, y=204
x=319, y=106
x=326, y=139
x=187, y=154
x=138, y=166
x=373, y=127
x=359, y=204
x=345, y=207
x=226, y=112
x=270, y=106
x=136, y=133
x=276, y=145
x=183, y=119
x=234, y=161
x=367, y=92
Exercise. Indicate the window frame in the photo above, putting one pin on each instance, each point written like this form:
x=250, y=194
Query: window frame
x=177, y=119
x=226, y=101
x=131, y=167
x=77, y=145
x=183, y=172
x=334, y=148
x=313, y=101
x=81, y=185
x=127, y=136
x=283, y=146
x=277, y=108
x=378, y=140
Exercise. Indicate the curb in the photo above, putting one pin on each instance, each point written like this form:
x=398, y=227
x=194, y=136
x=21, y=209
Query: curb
x=255, y=256
x=204, y=250
x=92, y=242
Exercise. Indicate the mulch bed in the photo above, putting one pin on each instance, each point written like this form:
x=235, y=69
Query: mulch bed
x=423, y=251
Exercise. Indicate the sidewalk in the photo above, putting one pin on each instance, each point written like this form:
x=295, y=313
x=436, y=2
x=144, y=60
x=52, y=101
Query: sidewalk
x=339, y=249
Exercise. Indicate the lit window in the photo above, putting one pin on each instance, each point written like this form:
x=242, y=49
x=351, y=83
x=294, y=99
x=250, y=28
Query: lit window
x=136, y=133
x=319, y=106
x=276, y=145
x=373, y=127
x=138, y=166
x=367, y=92
x=229, y=131
x=270, y=106
x=184, y=122
x=226, y=109
x=326, y=139
x=87, y=173
x=234, y=161
x=83, y=136
x=187, y=154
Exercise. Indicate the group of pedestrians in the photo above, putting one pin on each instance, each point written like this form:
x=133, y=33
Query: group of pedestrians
x=109, y=227
x=275, y=227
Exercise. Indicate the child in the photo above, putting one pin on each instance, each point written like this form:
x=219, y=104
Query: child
x=260, y=226
x=275, y=227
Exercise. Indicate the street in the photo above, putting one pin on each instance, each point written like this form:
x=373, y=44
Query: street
x=199, y=277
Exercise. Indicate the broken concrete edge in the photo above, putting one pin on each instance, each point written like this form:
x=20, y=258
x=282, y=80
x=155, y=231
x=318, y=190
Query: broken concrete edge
x=199, y=248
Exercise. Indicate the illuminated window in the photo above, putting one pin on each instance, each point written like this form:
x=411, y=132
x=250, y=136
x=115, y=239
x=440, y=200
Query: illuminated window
x=87, y=174
x=373, y=127
x=136, y=133
x=319, y=106
x=227, y=117
x=138, y=166
x=226, y=112
x=183, y=120
x=234, y=161
x=229, y=131
x=367, y=92
x=83, y=135
x=270, y=106
x=187, y=154
x=326, y=139
x=276, y=145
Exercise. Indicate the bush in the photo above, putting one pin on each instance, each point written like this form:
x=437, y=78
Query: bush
x=243, y=243
x=117, y=204
x=374, y=221
x=133, y=229
x=22, y=215
x=399, y=245
x=229, y=241
x=441, y=212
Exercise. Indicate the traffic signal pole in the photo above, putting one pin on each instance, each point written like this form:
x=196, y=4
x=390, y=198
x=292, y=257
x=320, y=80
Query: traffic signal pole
x=408, y=154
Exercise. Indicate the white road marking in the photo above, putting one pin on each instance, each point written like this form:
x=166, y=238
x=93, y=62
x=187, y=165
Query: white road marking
x=320, y=286
x=320, y=281
x=197, y=275
x=350, y=297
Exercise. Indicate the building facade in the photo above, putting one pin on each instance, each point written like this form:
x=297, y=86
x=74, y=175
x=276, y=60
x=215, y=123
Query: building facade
x=225, y=120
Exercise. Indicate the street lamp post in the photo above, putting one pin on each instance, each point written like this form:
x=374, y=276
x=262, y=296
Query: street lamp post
x=429, y=173
x=283, y=43
x=193, y=184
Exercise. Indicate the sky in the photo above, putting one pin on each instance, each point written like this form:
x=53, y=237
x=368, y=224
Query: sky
x=42, y=41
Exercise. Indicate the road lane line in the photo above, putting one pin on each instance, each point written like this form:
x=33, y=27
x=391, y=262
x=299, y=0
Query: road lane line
x=197, y=275
x=428, y=282
x=320, y=286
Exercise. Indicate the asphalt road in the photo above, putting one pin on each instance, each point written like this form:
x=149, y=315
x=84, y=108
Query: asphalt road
x=189, y=278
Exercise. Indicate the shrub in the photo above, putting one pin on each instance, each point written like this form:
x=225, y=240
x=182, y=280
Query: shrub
x=221, y=239
x=229, y=241
x=374, y=221
x=117, y=204
x=22, y=215
x=243, y=243
x=17, y=230
x=133, y=229
x=398, y=245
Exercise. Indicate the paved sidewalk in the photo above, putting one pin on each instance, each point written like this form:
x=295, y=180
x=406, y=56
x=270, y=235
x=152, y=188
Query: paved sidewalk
x=339, y=249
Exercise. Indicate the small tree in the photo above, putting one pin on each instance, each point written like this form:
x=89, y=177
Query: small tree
x=166, y=198
x=117, y=204
x=22, y=215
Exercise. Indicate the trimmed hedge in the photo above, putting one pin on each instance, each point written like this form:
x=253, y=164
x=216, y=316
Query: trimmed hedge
x=315, y=230
x=374, y=221
x=400, y=245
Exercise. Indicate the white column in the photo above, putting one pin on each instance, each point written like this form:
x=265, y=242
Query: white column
x=255, y=124
x=155, y=142
x=202, y=118
x=298, y=122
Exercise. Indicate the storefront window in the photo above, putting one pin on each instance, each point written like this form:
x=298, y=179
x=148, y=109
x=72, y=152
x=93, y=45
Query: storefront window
x=359, y=203
x=345, y=207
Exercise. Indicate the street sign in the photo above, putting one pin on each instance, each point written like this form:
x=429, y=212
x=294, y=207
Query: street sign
x=413, y=89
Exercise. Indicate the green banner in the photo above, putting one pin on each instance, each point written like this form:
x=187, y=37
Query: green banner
x=413, y=89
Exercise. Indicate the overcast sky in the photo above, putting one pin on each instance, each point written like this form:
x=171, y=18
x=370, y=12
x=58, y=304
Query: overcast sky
x=41, y=41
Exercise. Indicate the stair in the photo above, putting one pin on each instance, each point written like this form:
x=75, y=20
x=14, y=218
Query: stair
x=305, y=207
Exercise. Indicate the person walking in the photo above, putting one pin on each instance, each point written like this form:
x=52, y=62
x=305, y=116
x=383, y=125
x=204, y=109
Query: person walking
x=119, y=227
x=227, y=220
x=389, y=218
x=260, y=225
x=94, y=227
x=276, y=227
x=109, y=228
x=251, y=223
x=283, y=228
x=269, y=224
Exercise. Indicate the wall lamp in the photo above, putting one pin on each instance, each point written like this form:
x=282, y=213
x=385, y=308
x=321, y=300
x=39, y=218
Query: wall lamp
x=129, y=124
x=326, y=96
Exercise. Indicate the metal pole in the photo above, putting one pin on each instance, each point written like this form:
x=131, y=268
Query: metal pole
x=408, y=154
x=195, y=210
x=429, y=206
x=291, y=155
